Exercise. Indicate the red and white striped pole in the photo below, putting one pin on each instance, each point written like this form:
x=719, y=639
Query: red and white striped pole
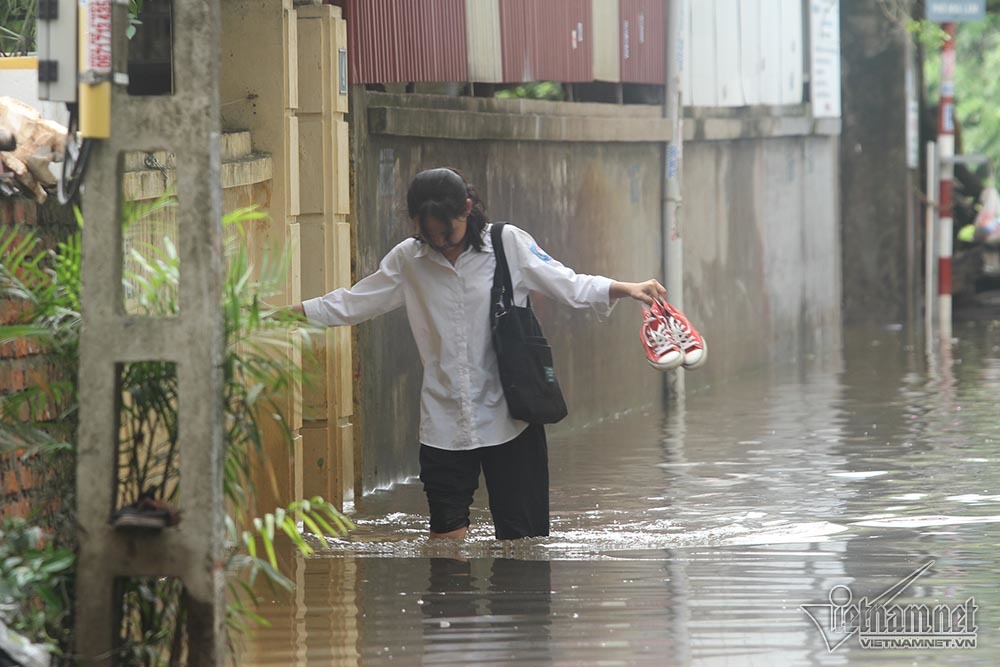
x=946, y=154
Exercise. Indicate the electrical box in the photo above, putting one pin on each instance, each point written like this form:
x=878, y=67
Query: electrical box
x=57, y=31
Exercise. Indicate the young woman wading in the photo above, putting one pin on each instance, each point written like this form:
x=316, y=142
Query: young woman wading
x=443, y=276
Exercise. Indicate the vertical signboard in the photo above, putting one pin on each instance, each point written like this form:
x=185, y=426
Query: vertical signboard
x=824, y=21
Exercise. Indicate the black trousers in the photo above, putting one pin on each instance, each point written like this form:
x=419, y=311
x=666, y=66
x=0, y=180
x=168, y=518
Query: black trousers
x=517, y=478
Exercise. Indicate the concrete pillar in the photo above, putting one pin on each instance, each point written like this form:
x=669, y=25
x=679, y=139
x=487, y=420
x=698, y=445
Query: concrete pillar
x=875, y=179
x=186, y=123
x=325, y=249
x=282, y=69
x=260, y=90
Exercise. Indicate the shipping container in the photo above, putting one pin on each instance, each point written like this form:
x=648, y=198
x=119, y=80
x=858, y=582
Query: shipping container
x=606, y=44
x=750, y=51
x=546, y=41
x=688, y=49
x=770, y=51
x=744, y=53
x=643, y=41
x=729, y=75
x=482, y=33
x=792, y=60
x=403, y=41
x=702, y=62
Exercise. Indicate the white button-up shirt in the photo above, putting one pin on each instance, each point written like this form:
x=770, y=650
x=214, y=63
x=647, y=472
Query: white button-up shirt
x=462, y=404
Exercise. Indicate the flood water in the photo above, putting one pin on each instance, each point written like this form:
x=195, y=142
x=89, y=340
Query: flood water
x=695, y=535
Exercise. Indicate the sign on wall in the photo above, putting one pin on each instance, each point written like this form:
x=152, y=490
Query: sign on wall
x=955, y=11
x=824, y=20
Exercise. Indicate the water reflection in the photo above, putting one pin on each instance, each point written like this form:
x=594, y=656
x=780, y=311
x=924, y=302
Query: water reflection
x=693, y=537
x=481, y=615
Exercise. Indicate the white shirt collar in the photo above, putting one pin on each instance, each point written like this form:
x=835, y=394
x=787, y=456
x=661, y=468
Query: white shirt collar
x=423, y=249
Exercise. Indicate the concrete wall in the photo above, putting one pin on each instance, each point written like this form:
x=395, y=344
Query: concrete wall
x=761, y=250
x=761, y=247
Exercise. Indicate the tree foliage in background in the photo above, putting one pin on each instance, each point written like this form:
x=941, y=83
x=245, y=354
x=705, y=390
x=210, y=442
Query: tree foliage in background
x=540, y=90
x=977, y=86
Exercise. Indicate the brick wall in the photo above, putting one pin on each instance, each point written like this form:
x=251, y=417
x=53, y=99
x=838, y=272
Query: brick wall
x=23, y=364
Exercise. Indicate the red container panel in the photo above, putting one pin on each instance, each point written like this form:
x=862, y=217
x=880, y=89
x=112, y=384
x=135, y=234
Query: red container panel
x=642, y=41
x=546, y=40
x=392, y=41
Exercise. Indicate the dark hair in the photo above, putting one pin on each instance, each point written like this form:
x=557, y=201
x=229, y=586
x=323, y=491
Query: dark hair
x=441, y=194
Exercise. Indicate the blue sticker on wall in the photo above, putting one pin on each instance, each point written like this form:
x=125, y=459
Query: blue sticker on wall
x=540, y=253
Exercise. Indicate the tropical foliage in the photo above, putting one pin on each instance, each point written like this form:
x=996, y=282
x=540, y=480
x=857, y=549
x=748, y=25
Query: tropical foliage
x=17, y=27
x=39, y=425
x=540, y=90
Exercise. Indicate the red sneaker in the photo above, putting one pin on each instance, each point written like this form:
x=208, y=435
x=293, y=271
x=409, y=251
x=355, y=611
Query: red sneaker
x=687, y=337
x=662, y=351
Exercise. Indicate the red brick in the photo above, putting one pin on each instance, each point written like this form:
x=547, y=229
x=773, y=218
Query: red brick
x=16, y=379
x=18, y=508
x=9, y=310
x=13, y=211
x=27, y=478
x=10, y=483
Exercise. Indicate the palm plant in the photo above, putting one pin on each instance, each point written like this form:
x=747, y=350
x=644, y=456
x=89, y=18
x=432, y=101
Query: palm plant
x=17, y=27
x=40, y=422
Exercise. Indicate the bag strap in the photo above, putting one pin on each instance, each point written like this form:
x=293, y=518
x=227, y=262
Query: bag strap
x=501, y=276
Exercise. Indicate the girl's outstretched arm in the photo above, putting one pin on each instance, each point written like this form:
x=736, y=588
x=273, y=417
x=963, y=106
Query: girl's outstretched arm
x=545, y=274
x=376, y=294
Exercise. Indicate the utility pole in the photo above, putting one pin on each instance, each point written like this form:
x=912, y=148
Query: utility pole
x=946, y=155
x=187, y=124
x=673, y=249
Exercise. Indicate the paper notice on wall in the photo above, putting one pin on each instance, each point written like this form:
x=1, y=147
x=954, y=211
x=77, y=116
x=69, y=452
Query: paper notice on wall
x=824, y=19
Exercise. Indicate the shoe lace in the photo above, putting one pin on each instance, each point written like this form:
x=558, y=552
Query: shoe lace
x=680, y=331
x=658, y=335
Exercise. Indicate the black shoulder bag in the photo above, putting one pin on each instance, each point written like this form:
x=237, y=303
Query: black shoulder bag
x=524, y=356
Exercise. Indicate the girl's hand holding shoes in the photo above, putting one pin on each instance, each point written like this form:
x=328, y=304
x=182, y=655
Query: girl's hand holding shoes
x=647, y=292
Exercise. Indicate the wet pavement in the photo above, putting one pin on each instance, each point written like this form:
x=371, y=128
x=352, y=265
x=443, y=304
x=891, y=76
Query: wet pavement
x=695, y=536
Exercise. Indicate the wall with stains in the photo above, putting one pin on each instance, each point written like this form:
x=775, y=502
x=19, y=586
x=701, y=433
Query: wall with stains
x=761, y=251
x=761, y=262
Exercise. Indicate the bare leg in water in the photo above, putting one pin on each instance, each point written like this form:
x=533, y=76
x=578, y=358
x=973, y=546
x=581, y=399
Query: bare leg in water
x=458, y=533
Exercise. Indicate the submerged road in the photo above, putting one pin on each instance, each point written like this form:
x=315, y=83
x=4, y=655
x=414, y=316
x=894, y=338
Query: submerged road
x=742, y=528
